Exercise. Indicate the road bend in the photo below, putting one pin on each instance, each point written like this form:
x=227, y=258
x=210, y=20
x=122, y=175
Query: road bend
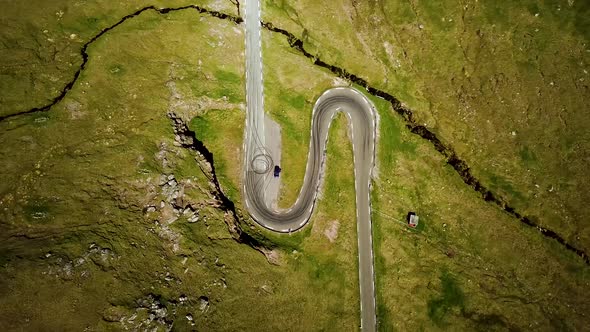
x=258, y=162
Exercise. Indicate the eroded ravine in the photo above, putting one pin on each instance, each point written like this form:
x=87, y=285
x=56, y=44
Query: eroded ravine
x=85, y=57
x=189, y=141
x=459, y=165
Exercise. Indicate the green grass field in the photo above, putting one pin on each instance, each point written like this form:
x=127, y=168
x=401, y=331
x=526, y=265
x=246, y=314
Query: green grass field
x=503, y=84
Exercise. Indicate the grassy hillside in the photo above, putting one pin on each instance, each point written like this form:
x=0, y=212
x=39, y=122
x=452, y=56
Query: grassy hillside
x=504, y=84
x=109, y=222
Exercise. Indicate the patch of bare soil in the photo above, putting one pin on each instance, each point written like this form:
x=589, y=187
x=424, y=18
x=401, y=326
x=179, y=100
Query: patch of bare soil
x=331, y=232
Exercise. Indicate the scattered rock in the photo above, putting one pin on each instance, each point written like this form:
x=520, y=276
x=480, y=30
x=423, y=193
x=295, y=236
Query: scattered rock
x=67, y=271
x=188, y=108
x=157, y=316
x=203, y=303
x=163, y=180
x=272, y=256
x=337, y=81
x=78, y=267
x=267, y=289
x=168, y=234
x=115, y=314
x=79, y=261
x=74, y=108
x=332, y=231
x=162, y=155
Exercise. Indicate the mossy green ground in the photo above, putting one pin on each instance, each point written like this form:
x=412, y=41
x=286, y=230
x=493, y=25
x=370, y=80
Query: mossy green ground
x=42, y=42
x=87, y=231
x=504, y=83
x=85, y=241
x=521, y=128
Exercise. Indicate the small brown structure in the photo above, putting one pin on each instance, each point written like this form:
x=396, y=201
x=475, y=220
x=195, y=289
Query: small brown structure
x=412, y=219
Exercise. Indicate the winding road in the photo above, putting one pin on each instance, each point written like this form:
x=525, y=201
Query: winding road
x=258, y=162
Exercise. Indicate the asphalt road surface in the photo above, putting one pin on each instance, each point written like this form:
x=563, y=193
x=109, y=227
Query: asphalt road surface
x=258, y=161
